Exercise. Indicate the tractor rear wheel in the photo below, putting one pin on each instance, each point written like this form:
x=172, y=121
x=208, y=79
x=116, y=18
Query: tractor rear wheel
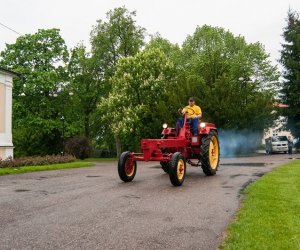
x=126, y=167
x=210, y=153
x=165, y=166
x=177, y=169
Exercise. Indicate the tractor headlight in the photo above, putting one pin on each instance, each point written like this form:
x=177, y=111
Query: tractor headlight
x=165, y=125
x=202, y=125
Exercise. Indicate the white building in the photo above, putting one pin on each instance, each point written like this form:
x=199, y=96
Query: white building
x=6, y=84
x=277, y=129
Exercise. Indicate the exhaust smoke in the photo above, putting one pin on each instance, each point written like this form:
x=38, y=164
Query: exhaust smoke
x=238, y=142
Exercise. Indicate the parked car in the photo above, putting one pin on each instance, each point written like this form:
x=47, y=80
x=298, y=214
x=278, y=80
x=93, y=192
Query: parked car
x=275, y=144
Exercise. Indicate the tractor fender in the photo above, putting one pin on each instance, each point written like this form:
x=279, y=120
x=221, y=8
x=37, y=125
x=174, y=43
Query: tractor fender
x=207, y=128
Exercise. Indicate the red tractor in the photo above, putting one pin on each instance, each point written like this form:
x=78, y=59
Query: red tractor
x=174, y=150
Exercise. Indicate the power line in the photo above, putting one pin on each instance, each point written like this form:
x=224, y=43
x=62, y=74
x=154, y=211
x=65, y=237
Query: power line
x=10, y=29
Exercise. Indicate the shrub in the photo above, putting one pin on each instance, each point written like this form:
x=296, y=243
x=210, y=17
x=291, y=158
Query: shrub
x=35, y=160
x=78, y=146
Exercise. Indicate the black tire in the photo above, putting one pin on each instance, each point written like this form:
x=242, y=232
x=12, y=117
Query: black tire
x=177, y=169
x=126, y=167
x=165, y=166
x=208, y=157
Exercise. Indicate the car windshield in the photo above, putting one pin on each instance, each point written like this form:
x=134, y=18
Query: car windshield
x=279, y=138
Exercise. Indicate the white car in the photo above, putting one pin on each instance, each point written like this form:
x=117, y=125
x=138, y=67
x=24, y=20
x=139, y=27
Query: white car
x=276, y=144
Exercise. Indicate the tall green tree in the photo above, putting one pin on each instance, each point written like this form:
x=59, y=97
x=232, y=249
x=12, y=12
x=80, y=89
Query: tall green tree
x=234, y=81
x=118, y=37
x=139, y=101
x=290, y=59
x=87, y=83
x=177, y=96
x=40, y=59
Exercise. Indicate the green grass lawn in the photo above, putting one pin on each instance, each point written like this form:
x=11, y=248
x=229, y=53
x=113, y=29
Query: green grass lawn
x=270, y=214
x=25, y=169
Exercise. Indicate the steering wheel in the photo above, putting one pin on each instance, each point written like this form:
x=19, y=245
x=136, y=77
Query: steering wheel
x=180, y=111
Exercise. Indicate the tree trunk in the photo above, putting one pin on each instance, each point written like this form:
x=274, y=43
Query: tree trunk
x=87, y=126
x=118, y=145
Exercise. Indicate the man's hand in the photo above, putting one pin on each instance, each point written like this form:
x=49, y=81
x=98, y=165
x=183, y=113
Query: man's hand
x=183, y=111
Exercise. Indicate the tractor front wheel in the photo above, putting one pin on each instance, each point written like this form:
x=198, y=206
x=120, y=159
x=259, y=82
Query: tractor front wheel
x=210, y=153
x=126, y=167
x=177, y=169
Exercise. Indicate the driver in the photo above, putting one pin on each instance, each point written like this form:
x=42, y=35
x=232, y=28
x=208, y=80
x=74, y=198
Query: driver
x=194, y=113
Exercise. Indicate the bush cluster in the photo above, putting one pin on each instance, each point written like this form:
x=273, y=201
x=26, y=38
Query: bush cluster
x=35, y=160
x=79, y=146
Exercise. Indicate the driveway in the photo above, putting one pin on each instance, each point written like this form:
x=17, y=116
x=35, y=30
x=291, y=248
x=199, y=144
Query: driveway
x=91, y=208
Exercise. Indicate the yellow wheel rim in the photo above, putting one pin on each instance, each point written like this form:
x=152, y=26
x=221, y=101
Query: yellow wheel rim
x=129, y=167
x=214, y=152
x=180, y=169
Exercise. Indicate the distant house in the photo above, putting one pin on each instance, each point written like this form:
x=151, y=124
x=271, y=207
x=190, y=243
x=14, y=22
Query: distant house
x=6, y=84
x=278, y=128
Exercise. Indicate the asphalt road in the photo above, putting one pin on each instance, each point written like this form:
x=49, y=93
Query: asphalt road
x=91, y=208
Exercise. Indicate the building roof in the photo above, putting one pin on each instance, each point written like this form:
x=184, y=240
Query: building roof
x=280, y=105
x=9, y=72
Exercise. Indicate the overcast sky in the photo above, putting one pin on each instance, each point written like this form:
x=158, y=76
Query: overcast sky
x=256, y=20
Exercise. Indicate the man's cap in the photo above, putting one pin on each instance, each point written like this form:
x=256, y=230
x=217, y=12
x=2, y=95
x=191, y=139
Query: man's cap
x=191, y=99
